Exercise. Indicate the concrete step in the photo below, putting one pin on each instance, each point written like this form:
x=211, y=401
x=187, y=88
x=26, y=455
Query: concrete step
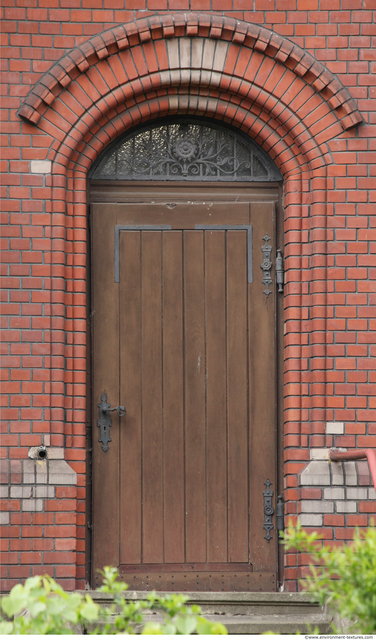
x=249, y=613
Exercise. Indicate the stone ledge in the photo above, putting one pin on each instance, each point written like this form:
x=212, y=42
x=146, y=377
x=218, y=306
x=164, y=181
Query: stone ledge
x=36, y=472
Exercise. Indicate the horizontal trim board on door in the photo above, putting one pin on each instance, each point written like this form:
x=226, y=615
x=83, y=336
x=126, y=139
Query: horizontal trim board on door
x=203, y=566
x=125, y=192
x=218, y=581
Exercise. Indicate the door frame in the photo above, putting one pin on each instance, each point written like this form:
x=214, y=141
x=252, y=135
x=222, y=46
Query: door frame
x=109, y=191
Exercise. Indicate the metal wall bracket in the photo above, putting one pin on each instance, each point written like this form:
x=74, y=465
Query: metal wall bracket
x=268, y=510
x=266, y=264
x=105, y=422
x=279, y=270
x=280, y=516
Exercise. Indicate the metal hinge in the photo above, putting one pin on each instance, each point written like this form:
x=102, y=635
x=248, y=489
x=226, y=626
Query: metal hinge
x=280, y=516
x=279, y=273
x=266, y=266
x=268, y=510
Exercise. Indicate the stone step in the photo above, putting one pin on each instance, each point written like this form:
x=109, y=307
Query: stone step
x=276, y=623
x=250, y=613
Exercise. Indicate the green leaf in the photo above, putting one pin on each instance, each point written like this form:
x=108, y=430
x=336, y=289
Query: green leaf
x=204, y=626
x=152, y=629
x=32, y=583
x=186, y=625
x=168, y=629
x=36, y=607
x=70, y=615
x=89, y=610
x=46, y=585
x=218, y=629
x=6, y=628
x=15, y=602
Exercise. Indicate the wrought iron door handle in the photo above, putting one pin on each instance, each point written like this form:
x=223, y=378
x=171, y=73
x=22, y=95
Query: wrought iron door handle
x=120, y=410
x=105, y=422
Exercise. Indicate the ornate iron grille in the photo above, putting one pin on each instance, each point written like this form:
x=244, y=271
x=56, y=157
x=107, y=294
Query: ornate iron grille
x=185, y=150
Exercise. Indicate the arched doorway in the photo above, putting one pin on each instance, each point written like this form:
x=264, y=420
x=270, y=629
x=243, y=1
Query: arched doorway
x=185, y=336
x=231, y=72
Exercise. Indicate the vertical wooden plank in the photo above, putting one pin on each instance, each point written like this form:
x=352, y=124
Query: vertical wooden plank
x=130, y=395
x=215, y=303
x=152, y=462
x=194, y=379
x=173, y=425
x=105, y=314
x=262, y=406
x=237, y=392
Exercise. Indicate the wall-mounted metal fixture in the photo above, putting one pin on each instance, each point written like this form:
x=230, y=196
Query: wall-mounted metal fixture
x=105, y=422
x=41, y=452
x=268, y=510
x=38, y=453
x=280, y=516
x=266, y=264
x=279, y=270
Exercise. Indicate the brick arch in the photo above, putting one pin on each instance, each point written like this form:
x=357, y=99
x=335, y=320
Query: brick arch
x=156, y=29
x=280, y=145
x=263, y=83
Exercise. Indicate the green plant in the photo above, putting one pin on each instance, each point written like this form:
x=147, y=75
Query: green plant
x=178, y=618
x=342, y=578
x=41, y=607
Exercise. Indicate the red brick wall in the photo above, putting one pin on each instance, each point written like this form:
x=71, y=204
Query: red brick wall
x=330, y=225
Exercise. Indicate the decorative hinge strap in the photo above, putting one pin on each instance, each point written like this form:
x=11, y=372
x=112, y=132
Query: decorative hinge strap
x=266, y=266
x=268, y=510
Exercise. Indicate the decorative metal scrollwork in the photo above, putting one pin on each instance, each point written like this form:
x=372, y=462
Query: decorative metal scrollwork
x=105, y=422
x=268, y=510
x=186, y=150
x=266, y=265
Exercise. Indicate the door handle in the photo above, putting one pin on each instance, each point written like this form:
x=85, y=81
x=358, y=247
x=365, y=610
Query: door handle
x=105, y=422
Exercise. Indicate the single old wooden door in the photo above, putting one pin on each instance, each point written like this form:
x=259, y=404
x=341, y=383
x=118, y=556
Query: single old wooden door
x=184, y=338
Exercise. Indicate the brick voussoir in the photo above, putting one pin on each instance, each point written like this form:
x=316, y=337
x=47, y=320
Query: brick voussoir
x=177, y=25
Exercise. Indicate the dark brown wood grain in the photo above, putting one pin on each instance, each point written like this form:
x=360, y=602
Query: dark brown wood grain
x=173, y=397
x=130, y=492
x=262, y=405
x=237, y=396
x=216, y=419
x=151, y=358
x=195, y=409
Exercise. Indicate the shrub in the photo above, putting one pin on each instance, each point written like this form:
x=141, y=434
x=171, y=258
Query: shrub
x=343, y=578
x=41, y=607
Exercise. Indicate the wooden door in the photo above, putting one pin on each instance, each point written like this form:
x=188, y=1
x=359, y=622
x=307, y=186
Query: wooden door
x=184, y=337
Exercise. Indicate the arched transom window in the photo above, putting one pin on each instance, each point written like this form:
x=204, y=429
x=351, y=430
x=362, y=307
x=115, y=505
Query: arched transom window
x=185, y=150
